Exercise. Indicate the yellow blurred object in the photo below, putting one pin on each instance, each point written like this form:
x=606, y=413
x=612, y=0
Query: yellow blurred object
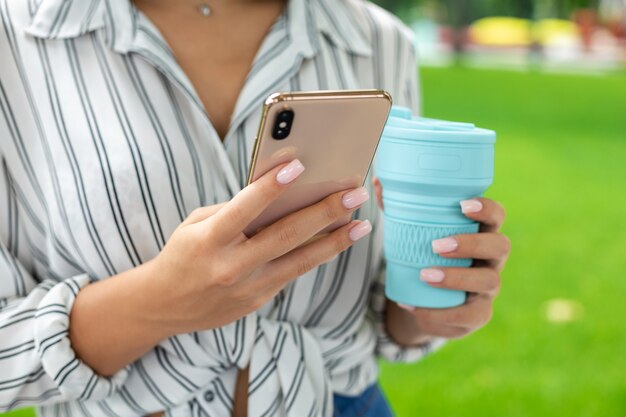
x=511, y=31
x=551, y=31
x=501, y=31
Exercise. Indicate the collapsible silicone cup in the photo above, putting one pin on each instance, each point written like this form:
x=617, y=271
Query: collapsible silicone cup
x=426, y=168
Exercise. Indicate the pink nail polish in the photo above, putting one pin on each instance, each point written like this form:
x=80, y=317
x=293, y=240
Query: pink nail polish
x=445, y=245
x=290, y=172
x=406, y=307
x=432, y=275
x=360, y=230
x=355, y=198
x=471, y=206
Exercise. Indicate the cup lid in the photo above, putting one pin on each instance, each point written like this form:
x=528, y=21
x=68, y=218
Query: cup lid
x=402, y=124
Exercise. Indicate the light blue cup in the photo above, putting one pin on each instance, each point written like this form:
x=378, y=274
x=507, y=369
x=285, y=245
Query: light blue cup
x=426, y=168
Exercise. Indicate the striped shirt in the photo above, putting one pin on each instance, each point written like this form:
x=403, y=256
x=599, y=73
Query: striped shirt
x=105, y=148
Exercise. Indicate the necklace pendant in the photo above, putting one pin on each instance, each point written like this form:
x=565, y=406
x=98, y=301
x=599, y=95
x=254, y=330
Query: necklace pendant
x=204, y=9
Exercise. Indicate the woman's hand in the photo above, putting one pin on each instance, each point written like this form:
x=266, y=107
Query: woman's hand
x=211, y=274
x=490, y=250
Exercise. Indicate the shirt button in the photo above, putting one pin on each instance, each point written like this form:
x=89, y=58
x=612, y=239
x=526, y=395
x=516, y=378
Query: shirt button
x=209, y=396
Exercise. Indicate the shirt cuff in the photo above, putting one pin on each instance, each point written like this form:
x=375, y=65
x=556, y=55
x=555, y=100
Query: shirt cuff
x=74, y=378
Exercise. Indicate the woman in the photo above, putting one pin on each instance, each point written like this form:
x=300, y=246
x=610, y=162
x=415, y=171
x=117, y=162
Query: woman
x=118, y=120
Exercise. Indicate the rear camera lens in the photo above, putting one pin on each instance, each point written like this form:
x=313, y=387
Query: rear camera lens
x=282, y=124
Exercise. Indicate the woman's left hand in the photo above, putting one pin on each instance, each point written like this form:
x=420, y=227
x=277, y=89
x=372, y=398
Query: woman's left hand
x=489, y=248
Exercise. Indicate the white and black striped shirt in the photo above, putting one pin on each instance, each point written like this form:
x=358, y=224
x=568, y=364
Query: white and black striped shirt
x=105, y=148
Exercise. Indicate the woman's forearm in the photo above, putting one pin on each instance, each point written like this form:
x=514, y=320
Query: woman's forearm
x=402, y=326
x=113, y=322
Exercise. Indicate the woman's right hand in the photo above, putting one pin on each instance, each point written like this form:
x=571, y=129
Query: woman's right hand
x=211, y=274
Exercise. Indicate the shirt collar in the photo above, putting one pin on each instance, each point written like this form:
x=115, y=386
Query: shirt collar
x=335, y=19
x=65, y=19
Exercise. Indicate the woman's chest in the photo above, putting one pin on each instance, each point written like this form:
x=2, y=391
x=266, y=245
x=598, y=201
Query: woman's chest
x=110, y=154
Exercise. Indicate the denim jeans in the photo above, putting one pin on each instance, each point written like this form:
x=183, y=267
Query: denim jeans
x=371, y=403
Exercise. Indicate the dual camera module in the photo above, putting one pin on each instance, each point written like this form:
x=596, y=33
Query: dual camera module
x=282, y=124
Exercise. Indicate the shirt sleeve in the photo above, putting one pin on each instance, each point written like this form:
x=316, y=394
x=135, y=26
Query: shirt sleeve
x=37, y=363
x=406, y=93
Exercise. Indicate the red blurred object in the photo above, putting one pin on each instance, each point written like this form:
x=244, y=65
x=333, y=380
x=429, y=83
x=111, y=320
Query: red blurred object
x=617, y=28
x=587, y=20
x=458, y=38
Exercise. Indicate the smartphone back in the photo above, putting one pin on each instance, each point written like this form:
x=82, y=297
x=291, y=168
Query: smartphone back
x=333, y=133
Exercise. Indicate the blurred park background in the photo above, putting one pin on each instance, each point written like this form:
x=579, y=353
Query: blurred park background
x=553, y=35
x=550, y=77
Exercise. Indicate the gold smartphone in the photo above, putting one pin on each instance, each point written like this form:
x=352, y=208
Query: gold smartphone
x=333, y=133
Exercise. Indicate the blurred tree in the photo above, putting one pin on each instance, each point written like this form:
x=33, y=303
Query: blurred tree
x=462, y=12
x=524, y=9
x=564, y=8
x=460, y=16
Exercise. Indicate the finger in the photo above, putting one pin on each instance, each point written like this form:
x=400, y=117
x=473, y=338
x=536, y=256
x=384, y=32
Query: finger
x=378, y=190
x=301, y=260
x=471, y=315
x=202, y=213
x=474, y=280
x=489, y=213
x=488, y=246
x=250, y=202
x=495, y=264
x=295, y=229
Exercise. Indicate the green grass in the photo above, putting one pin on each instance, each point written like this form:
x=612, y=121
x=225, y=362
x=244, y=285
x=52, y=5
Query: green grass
x=560, y=172
x=561, y=168
x=27, y=412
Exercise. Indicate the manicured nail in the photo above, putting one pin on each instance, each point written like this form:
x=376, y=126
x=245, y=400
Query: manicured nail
x=445, y=245
x=406, y=307
x=290, y=172
x=471, y=206
x=360, y=230
x=355, y=198
x=432, y=275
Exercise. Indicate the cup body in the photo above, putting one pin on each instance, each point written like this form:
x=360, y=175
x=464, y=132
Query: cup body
x=426, y=168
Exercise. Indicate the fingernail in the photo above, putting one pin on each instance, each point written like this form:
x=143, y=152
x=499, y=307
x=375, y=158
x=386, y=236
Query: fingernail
x=406, y=307
x=471, y=206
x=360, y=230
x=290, y=172
x=432, y=275
x=445, y=245
x=355, y=198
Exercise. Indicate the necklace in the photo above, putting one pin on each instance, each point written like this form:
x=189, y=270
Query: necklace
x=203, y=9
